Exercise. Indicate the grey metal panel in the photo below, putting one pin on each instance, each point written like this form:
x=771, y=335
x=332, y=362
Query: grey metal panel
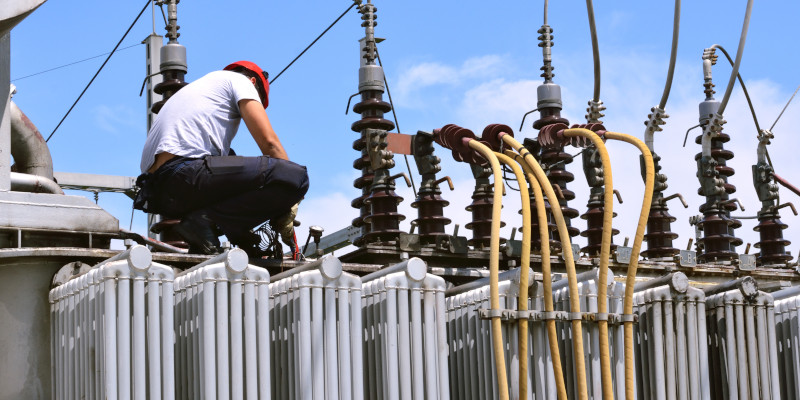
x=52, y=211
x=94, y=182
x=5, y=120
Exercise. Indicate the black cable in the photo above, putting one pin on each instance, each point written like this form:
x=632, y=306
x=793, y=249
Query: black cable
x=312, y=43
x=147, y=3
x=396, y=124
x=741, y=82
x=507, y=180
x=72, y=63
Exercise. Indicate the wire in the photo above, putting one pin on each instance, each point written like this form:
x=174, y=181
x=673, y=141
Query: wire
x=396, y=124
x=72, y=63
x=738, y=61
x=676, y=24
x=744, y=88
x=312, y=43
x=784, y=109
x=147, y=3
x=507, y=180
x=595, y=51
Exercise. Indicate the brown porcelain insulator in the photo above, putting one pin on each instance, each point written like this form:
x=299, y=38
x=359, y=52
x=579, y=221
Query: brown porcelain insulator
x=173, y=81
x=481, y=225
x=659, y=238
x=556, y=158
x=431, y=220
x=594, y=229
x=371, y=107
x=721, y=156
x=384, y=220
x=717, y=242
x=772, y=244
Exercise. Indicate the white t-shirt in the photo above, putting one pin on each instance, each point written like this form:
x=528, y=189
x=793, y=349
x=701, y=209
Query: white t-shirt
x=201, y=119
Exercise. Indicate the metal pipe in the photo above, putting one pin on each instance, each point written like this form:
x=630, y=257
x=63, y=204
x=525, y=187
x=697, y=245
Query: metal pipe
x=329, y=265
x=224, y=367
x=768, y=301
x=331, y=349
x=28, y=147
x=678, y=281
x=317, y=343
x=138, y=336
x=416, y=343
x=510, y=275
x=746, y=285
x=754, y=360
x=34, y=184
x=414, y=268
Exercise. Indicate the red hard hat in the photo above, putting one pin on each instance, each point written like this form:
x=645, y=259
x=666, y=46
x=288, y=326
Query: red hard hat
x=262, y=76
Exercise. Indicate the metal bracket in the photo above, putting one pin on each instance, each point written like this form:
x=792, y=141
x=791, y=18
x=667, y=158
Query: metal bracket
x=687, y=258
x=409, y=242
x=458, y=244
x=747, y=262
x=513, y=248
x=623, y=254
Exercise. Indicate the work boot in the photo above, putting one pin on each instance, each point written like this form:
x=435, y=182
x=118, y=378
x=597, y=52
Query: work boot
x=199, y=231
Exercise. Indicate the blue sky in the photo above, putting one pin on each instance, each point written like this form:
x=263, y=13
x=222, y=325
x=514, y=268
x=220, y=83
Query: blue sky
x=464, y=62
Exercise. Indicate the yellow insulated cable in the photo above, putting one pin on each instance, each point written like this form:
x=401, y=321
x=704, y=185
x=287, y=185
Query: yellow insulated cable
x=525, y=264
x=627, y=308
x=547, y=279
x=569, y=261
x=605, y=254
x=494, y=267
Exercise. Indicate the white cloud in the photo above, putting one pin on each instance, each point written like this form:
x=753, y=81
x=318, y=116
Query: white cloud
x=433, y=74
x=115, y=119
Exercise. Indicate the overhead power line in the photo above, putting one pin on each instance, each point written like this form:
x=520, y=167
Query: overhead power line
x=312, y=43
x=72, y=63
x=146, y=4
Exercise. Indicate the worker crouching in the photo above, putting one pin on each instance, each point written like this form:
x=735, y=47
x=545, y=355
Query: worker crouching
x=189, y=171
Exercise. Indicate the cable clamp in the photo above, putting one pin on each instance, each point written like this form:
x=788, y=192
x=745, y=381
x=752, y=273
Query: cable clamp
x=628, y=318
x=487, y=313
x=550, y=315
x=601, y=316
x=575, y=316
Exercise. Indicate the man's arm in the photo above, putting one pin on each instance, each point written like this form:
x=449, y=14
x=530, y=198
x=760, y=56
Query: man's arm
x=259, y=126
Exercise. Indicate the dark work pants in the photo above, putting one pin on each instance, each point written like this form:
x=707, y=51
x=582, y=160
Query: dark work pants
x=237, y=193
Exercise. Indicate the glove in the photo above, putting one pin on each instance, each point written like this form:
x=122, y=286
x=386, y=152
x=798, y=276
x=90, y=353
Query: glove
x=284, y=225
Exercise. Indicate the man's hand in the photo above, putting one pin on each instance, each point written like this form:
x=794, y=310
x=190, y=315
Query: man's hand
x=284, y=225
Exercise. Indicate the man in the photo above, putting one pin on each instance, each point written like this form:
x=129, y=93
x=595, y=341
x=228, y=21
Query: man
x=188, y=170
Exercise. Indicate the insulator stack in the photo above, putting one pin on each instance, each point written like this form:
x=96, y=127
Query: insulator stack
x=772, y=244
x=378, y=215
x=173, y=60
x=168, y=236
x=172, y=82
x=481, y=209
x=429, y=204
x=721, y=155
x=372, y=108
x=717, y=242
x=556, y=159
x=593, y=169
x=659, y=237
x=384, y=220
x=431, y=221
